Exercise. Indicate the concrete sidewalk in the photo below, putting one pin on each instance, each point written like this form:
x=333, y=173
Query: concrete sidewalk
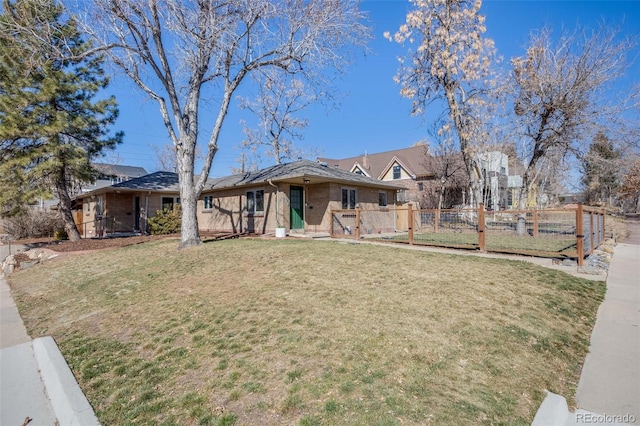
x=36, y=384
x=609, y=389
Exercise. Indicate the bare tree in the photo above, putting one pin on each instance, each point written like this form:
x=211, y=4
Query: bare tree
x=562, y=97
x=629, y=189
x=444, y=159
x=600, y=167
x=166, y=159
x=277, y=106
x=185, y=53
x=451, y=62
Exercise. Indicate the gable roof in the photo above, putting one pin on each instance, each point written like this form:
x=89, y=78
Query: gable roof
x=413, y=159
x=395, y=160
x=301, y=171
x=119, y=171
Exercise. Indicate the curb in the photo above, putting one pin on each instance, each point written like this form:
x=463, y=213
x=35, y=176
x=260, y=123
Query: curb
x=554, y=411
x=69, y=403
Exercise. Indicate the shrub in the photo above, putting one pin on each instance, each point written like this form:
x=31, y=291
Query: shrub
x=166, y=221
x=34, y=224
x=60, y=234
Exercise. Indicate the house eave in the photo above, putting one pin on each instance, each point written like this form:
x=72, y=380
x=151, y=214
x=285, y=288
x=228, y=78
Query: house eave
x=308, y=179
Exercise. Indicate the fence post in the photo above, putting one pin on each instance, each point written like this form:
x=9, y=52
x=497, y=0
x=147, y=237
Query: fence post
x=535, y=223
x=436, y=221
x=357, y=223
x=593, y=234
x=604, y=217
x=481, y=234
x=410, y=223
x=579, y=235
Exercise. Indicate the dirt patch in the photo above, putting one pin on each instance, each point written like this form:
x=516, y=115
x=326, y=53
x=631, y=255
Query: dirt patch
x=90, y=243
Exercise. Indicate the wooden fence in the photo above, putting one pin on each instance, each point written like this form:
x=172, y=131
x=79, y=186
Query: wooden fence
x=567, y=232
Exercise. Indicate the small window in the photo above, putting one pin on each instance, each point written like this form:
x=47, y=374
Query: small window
x=169, y=202
x=420, y=186
x=255, y=201
x=207, y=202
x=349, y=198
x=382, y=199
x=396, y=172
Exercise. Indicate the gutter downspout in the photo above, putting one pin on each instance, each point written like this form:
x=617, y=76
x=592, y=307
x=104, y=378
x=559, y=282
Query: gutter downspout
x=277, y=204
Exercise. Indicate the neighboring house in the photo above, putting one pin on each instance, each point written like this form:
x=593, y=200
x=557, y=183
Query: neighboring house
x=108, y=174
x=298, y=196
x=429, y=180
x=126, y=206
x=420, y=174
x=111, y=174
x=494, y=166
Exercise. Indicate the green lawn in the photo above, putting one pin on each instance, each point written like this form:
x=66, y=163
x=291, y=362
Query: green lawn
x=312, y=333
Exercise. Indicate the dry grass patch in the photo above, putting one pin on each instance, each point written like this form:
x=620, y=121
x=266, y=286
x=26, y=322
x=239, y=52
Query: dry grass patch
x=307, y=332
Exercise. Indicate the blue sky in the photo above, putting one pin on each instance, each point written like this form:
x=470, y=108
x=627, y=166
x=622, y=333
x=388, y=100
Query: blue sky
x=372, y=117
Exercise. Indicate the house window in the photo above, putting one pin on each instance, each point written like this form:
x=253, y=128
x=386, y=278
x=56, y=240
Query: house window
x=169, y=202
x=255, y=201
x=382, y=199
x=420, y=186
x=207, y=202
x=396, y=172
x=349, y=198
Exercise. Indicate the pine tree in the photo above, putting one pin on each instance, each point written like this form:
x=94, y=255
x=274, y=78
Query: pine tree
x=600, y=170
x=50, y=125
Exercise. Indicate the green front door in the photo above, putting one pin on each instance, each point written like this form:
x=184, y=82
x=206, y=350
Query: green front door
x=297, y=209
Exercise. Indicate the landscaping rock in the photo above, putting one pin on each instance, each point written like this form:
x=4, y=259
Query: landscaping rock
x=26, y=259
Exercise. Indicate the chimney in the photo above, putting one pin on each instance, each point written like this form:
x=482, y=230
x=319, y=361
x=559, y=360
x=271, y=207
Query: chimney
x=365, y=161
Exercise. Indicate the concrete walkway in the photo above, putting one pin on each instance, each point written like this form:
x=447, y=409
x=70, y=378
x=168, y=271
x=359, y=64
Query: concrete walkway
x=609, y=389
x=36, y=384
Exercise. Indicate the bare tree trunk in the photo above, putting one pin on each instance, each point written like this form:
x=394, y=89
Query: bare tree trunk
x=65, y=207
x=189, y=194
x=463, y=136
x=189, y=204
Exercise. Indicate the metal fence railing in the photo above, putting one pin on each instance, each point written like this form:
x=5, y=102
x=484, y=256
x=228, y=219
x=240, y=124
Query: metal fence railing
x=568, y=232
x=104, y=225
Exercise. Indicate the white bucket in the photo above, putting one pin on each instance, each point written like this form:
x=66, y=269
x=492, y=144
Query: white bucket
x=281, y=232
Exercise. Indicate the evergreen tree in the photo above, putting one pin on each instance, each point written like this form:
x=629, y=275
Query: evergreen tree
x=50, y=125
x=600, y=170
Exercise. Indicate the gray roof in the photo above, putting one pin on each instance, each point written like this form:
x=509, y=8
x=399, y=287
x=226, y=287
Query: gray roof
x=119, y=171
x=297, y=171
x=301, y=169
x=158, y=181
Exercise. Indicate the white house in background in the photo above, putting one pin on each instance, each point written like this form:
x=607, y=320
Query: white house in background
x=111, y=174
x=494, y=169
x=500, y=185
